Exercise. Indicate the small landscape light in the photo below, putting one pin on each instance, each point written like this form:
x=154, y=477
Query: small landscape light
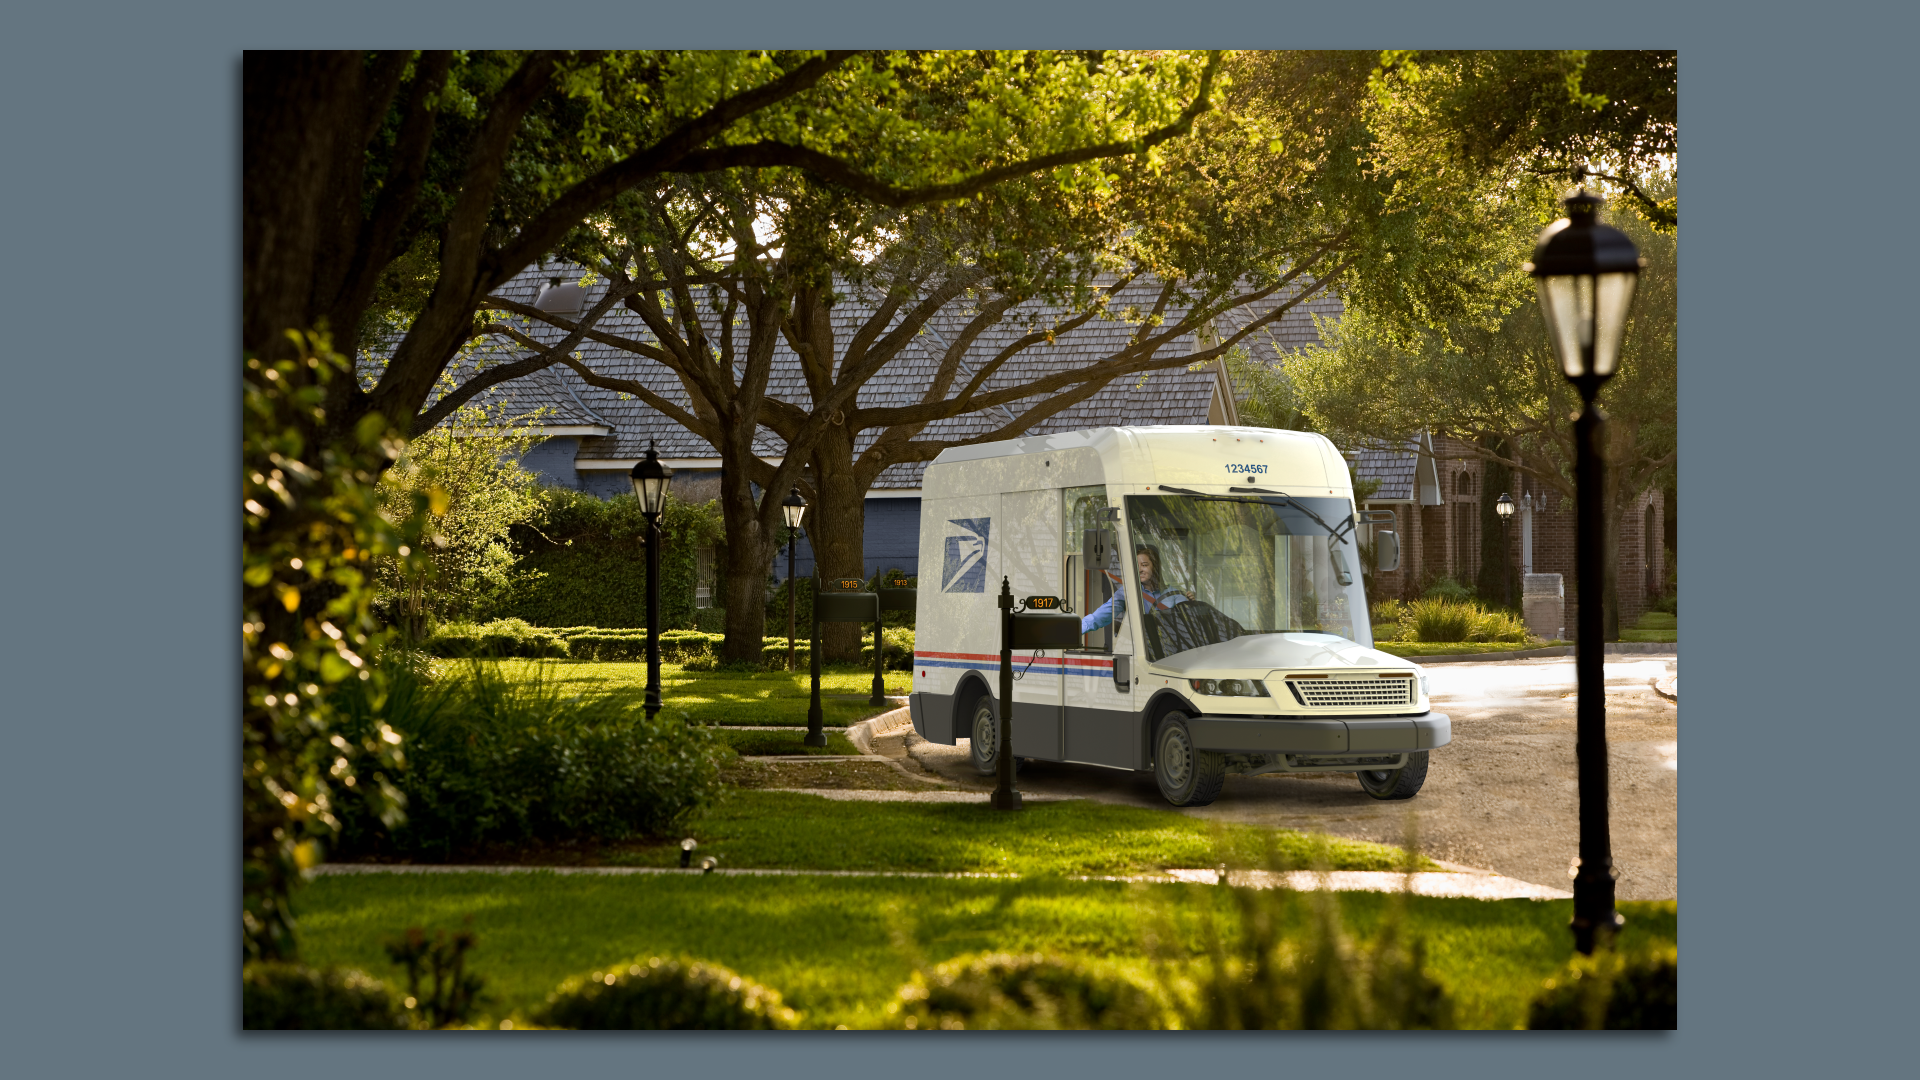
x=707, y=864
x=686, y=852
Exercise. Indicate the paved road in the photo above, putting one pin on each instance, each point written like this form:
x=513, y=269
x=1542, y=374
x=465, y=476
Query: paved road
x=1502, y=797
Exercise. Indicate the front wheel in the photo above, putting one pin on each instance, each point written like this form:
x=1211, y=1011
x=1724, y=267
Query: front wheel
x=1187, y=776
x=983, y=739
x=1394, y=784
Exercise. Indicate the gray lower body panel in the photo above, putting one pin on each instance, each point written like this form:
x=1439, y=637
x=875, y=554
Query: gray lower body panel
x=933, y=718
x=1036, y=730
x=1384, y=735
x=1105, y=737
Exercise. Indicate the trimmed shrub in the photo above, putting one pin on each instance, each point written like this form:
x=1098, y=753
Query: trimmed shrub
x=500, y=638
x=1607, y=991
x=656, y=994
x=1002, y=991
x=585, y=563
x=492, y=759
x=289, y=997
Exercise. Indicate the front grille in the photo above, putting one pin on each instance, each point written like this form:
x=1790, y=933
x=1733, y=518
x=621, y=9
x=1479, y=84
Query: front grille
x=1344, y=693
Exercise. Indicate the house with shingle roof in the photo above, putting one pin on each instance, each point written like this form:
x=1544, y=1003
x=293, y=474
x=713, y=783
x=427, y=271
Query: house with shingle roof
x=594, y=436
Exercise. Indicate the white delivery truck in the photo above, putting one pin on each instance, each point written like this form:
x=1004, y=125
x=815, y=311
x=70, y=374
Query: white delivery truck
x=1224, y=627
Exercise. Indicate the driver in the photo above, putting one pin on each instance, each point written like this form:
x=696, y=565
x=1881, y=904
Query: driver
x=1153, y=592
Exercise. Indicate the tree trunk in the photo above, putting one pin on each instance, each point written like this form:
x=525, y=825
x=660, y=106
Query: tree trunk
x=839, y=532
x=1495, y=582
x=749, y=556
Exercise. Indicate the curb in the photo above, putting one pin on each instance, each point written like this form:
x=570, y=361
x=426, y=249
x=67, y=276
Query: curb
x=1614, y=648
x=863, y=733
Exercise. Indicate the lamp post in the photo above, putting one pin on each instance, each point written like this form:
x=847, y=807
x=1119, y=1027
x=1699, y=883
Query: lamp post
x=650, y=479
x=1586, y=272
x=1504, y=507
x=795, y=508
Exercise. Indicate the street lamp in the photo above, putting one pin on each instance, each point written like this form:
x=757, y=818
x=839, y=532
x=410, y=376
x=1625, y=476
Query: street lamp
x=795, y=508
x=1586, y=272
x=1504, y=507
x=650, y=485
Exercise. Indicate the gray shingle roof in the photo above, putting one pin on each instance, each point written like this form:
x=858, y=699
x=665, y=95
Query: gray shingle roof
x=1172, y=396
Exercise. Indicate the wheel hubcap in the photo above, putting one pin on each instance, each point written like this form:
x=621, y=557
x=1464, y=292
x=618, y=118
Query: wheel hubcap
x=1175, y=758
x=984, y=734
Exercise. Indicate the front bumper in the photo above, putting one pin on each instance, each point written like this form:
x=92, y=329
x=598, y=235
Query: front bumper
x=1356, y=735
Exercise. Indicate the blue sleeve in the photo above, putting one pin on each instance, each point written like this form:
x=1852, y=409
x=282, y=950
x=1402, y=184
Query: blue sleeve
x=1103, y=615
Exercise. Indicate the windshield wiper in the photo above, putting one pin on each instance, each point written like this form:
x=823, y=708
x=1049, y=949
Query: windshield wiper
x=1340, y=571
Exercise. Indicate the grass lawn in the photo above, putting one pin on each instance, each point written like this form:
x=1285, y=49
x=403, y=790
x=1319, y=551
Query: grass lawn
x=1417, y=649
x=734, y=697
x=1654, y=626
x=751, y=828
x=750, y=741
x=828, y=943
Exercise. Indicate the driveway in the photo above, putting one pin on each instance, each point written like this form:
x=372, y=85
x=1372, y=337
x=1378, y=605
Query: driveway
x=1501, y=797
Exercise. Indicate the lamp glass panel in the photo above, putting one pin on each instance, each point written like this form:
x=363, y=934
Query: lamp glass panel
x=652, y=492
x=1566, y=302
x=1614, y=293
x=794, y=514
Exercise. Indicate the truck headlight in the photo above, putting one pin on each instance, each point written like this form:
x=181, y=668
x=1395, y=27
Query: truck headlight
x=1229, y=687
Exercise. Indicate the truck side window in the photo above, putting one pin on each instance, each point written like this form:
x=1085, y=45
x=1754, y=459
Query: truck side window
x=1092, y=568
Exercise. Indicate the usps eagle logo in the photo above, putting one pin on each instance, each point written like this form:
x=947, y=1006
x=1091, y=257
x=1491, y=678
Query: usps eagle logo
x=966, y=565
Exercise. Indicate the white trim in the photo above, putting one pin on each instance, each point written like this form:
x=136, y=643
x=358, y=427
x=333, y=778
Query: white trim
x=671, y=463
x=893, y=493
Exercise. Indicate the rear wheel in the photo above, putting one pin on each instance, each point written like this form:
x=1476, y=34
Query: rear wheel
x=983, y=739
x=1187, y=776
x=1393, y=784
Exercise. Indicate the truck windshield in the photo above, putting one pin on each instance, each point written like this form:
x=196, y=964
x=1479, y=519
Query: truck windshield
x=1207, y=570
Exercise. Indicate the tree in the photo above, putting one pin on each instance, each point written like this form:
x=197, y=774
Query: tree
x=1262, y=207
x=1535, y=114
x=1500, y=388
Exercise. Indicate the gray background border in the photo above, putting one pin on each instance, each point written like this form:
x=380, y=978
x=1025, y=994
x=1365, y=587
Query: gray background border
x=120, y=283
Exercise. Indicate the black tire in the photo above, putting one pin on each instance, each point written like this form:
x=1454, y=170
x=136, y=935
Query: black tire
x=1187, y=776
x=983, y=738
x=1392, y=784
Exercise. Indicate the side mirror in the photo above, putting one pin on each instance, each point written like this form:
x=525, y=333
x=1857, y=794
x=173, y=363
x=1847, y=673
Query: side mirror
x=1386, y=551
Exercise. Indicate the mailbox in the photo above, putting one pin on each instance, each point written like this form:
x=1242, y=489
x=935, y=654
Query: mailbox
x=1046, y=630
x=897, y=599
x=860, y=607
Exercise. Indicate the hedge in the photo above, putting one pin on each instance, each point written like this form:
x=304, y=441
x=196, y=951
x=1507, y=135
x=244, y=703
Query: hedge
x=587, y=563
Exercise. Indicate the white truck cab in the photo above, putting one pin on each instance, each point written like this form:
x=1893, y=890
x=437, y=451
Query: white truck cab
x=1224, y=626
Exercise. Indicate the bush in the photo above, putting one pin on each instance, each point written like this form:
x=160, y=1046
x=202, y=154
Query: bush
x=1668, y=604
x=289, y=997
x=492, y=759
x=1608, y=991
x=1434, y=619
x=585, y=562
x=656, y=994
x=899, y=649
x=500, y=638
x=1002, y=991
x=1445, y=587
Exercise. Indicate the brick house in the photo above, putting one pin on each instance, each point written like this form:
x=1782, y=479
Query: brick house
x=1436, y=486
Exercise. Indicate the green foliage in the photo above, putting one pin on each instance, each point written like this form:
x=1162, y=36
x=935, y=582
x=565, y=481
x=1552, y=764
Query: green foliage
x=500, y=638
x=467, y=472
x=655, y=994
x=1272, y=971
x=1610, y=991
x=1438, y=619
x=496, y=758
x=1000, y=991
x=899, y=648
x=278, y=996
x=586, y=563
x=312, y=531
x=1446, y=588
x=455, y=991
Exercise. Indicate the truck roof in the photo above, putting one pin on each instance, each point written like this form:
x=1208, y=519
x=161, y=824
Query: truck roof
x=1207, y=456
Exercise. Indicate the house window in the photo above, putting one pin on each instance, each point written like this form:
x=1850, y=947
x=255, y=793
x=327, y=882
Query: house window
x=703, y=577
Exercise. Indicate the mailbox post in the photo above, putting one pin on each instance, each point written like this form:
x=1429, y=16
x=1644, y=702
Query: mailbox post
x=841, y=600
x=1041, y=622
x=895, y=598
